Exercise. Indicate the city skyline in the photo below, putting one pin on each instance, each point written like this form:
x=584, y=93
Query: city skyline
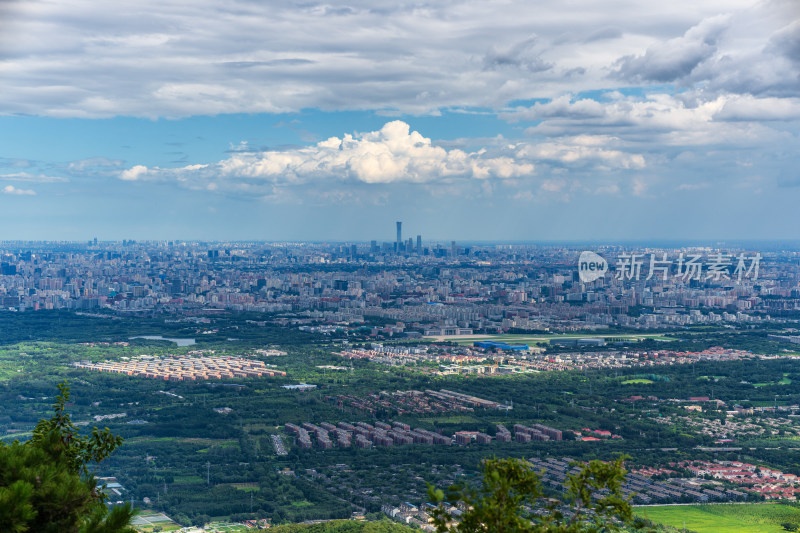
x=529, y=123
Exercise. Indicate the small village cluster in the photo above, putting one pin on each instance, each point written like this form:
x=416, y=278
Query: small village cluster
x=417, y=402
x=364, y=435
x=184, y=367
x=642, y=488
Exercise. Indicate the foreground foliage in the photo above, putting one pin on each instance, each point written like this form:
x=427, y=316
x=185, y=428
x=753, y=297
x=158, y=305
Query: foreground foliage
x=511, y=499
x=46, y=485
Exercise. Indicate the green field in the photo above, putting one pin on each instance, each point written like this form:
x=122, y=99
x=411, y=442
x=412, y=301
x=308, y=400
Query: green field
x=146, y=521
x=724, y=518
x=16, y=436
x=639, y=380
x=225, y=527
x=452, y=419
x=783, y=381
x=188, y=479
x=246, y=487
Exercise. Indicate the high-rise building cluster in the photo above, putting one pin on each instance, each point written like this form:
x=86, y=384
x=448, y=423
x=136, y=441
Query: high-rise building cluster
x=447, y=289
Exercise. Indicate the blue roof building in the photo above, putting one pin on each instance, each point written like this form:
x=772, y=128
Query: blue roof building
x=501, y=346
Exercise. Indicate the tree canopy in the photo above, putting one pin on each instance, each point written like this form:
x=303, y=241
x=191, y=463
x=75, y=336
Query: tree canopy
x=511, y=500
x=46, y=484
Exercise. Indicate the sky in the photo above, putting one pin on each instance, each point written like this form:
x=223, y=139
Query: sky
x=467, y=120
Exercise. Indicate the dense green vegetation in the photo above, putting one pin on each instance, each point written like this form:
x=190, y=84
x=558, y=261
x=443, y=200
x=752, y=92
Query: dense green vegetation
x=72, y=327
x=189, y=460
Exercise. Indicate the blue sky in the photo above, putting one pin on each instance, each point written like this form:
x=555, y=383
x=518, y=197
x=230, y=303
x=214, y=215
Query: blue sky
x=466, y=120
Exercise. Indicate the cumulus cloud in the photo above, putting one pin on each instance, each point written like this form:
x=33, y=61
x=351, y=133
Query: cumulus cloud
x=10, y=189
x=135, y=173
x=584, y=151
x=687, y=141
x=393, y=154
x=639, y=117
x=690, y=119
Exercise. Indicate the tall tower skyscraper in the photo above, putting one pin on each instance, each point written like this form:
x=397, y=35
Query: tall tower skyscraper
x=419, y=244
x=399, y=235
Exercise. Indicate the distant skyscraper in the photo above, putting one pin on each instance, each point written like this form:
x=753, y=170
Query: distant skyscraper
x=419, y=244
x=399, y=234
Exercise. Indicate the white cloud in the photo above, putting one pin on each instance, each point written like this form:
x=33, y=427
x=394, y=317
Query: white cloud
x=33, y=178
x=524, y=196
x=10, y=189
x=640, y=187
x=658, y=120
x=750, y=108
x=84, y=59
x=561, y=106
x=675, y=58
x=134, y=174
x=583, y=150
x=552, y=186
x=607, y=188
x=93, y=163
x=394, y=154
x=687, y=90
x=658, y=112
